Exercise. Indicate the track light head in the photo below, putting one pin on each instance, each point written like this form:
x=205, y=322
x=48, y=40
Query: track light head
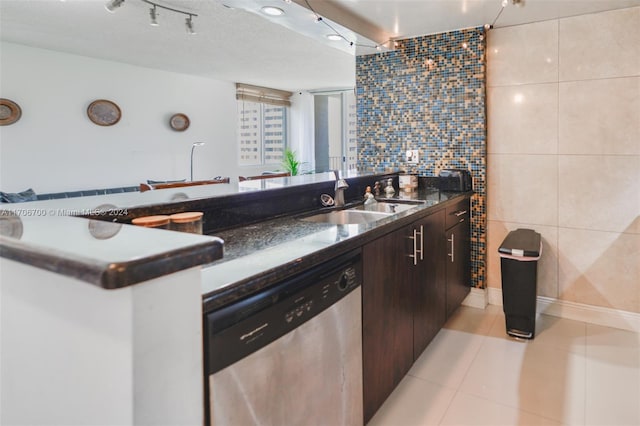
x=189, y=25
x=112, y=5
x=154, y=16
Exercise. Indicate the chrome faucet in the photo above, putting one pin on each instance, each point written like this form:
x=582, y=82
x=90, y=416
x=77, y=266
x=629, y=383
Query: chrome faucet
x=341, y=185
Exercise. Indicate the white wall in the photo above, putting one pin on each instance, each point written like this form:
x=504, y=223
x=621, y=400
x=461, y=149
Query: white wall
x=75, y=354
x=55, y=147
x=564, y=153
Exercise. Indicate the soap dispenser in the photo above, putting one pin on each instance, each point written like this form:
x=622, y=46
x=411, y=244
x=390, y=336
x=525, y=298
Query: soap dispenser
x=388, y=190
x=369, y=198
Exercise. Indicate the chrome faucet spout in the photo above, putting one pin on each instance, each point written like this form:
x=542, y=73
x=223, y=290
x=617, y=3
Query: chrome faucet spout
x=340, y=186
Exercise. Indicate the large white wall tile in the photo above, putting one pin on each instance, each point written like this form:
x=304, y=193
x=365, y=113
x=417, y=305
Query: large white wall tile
x=600, y=116
x=523, y=189
x=523, y=119
x=600, y=45
x=523, y=54
x=547, y=265
x=600, y=268
x=599, y=193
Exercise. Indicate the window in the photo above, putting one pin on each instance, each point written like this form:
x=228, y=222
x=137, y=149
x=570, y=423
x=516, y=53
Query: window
x=262, y=124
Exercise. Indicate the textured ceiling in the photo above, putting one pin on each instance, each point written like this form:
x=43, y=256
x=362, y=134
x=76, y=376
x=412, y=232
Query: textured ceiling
x=230, y=44
x=235, y=45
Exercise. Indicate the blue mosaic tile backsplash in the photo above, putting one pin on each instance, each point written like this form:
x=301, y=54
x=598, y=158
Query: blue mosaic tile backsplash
x=428, y=94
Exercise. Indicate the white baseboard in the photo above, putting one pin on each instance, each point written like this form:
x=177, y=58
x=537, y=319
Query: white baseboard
x=495, y=296
x=477, y=298
x=577, y=311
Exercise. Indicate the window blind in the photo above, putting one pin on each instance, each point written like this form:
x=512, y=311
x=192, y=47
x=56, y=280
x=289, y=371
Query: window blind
x=265, y=95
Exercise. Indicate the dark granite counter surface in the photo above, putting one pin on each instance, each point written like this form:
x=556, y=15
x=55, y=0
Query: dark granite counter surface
x=258, y=255
x=101, y=248
x=105, y=254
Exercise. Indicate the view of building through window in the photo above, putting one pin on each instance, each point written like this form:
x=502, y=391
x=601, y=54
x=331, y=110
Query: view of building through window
x=351, y=143
x=262, y=131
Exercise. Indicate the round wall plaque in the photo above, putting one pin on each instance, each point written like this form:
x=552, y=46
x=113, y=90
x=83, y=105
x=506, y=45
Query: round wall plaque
x=10, y=112
x=179, y=122
x=103, y=112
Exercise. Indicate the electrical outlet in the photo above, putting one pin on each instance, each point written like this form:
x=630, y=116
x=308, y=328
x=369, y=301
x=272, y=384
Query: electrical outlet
x=412, y=156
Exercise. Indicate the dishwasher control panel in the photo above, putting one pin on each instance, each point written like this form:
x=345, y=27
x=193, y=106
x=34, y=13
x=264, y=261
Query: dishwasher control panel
x=235, y=331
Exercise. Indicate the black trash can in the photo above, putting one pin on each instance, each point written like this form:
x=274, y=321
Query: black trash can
x=519, y=255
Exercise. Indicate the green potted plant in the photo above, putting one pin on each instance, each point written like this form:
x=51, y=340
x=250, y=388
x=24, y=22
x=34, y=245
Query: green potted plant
x=290, y=162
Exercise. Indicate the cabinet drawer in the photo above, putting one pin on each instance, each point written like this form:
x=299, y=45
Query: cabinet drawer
x=458, y=213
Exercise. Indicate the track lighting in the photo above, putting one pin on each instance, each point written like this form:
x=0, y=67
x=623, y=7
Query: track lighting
x=154, y=15
x=272, y=11
x=189, y=25
x=112, y=5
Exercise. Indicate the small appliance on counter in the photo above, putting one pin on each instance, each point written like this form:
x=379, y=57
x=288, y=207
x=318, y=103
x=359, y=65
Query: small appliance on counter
x=456, y=180
x=408, y=182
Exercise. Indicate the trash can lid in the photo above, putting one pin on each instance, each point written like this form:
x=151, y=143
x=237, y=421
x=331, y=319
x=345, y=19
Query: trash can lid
x=522, y=242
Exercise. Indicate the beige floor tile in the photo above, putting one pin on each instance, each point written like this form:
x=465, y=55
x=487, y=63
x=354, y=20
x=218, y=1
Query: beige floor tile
x=473, y=320
x=552, y=332
x=613, y=376
x=571, y=373
x=536, y=379
x=470, y=410
x=448, y=357
x=414, y=402
x=607, y=338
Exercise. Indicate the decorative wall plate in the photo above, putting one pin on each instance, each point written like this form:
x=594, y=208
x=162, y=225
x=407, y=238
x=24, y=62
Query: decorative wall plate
x=179, y=122
x=10, y=112
x=103, y=112
x=10, y=224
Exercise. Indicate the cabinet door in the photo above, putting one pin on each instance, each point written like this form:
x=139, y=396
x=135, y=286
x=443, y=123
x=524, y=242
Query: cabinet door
x=458, y=265
x=428, y=279
x=387, y=318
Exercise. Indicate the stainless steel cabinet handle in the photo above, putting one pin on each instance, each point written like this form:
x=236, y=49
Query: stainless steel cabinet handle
x=460, y=213
x=452, y=241
x=415, y=247
x=421, y=242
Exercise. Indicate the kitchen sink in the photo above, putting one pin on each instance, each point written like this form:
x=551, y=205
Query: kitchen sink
x=386, y=207
x=360, y=213
x=349, y=216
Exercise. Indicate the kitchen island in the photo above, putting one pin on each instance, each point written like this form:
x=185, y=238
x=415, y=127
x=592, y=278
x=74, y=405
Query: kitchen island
x=115, y=352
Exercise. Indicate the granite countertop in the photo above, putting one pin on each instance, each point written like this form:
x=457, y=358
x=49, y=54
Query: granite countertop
x=259, y=255
x=271, y=245
x=84, y=206
x=109, y=255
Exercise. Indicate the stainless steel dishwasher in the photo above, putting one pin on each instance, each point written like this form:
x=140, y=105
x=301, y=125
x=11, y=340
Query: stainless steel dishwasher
x=291, y=354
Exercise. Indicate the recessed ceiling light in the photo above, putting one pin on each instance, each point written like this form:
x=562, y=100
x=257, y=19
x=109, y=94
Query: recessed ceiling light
x=272, y=11
x=334, y=37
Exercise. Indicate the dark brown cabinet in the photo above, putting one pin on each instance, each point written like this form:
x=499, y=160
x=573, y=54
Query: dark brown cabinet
x=403, y=297
x=458, y=259
x=428, y=283
x=387, y=318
